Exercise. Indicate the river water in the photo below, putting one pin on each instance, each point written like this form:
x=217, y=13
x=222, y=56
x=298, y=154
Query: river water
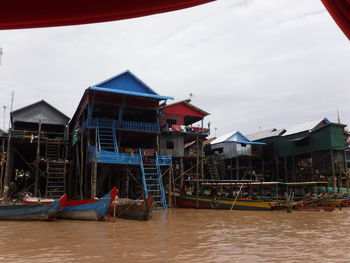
x=184, y=235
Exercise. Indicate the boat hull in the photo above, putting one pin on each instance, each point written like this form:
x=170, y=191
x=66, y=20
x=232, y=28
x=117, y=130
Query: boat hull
x=85, y=209
x=31, y=212
x=88, y=214
x=134, y=211
x=188, y=201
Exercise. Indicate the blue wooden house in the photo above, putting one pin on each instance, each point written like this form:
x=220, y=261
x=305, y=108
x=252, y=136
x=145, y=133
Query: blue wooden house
x=116, y=130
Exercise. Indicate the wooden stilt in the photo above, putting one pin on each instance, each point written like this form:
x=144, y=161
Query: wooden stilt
x=333, y=173
x=173, y=180
x=197, y=174
x=181, y=173
x=8, y=171
x=285, y=169
x=169, y=189
x=36, y=180
x=93, y=179
x=2, y=168
x=81, y=160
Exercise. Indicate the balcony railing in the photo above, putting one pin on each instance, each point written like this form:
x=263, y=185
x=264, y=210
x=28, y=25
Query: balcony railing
x=164, y=160
x=102, y=156
x=120, y=125
x=114, y=158
x=185, y=129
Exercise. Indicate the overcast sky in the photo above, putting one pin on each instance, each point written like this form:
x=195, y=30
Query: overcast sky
x=252, y=64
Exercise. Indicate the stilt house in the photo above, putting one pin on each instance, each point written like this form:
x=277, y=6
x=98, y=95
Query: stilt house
x=239, y=158
x=183, y=134
x=36, y=151
x=116, y=131
x=314, y=150
x=270, y=157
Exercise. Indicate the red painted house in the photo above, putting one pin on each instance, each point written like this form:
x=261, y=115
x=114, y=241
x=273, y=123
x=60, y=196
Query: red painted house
x=182, y=127
x=181, y=117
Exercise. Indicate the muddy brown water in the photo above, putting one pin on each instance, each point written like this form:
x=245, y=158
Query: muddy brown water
x=184, y=235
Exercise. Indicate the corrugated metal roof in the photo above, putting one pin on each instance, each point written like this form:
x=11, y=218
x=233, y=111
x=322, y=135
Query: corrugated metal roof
x=306, y=126
x=39, y=111
x=128, y=84
x=230, y=137
x=265, y=134
x=209, y=141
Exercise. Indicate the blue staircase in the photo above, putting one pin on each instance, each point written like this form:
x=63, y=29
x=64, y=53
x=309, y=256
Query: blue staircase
x=152, y=182
x=106, y=136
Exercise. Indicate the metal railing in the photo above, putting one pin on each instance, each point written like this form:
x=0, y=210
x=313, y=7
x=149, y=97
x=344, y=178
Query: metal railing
x=114, y=158
x=120, y=125
x=185, y=129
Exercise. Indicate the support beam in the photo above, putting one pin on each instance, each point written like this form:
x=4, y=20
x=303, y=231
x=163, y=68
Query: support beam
x=36, y=180
x=8, y=171
x=285, y=169
x=333, y=174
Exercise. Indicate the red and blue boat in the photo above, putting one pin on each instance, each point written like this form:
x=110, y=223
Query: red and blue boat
x=94, y=209
x=34, y=211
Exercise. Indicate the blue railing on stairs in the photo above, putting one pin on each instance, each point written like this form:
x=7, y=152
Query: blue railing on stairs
x=152, y=181
x=161, y=183
x=106, y=136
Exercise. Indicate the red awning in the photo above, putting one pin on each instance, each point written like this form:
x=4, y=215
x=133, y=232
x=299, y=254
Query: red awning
x=340, y=11
x=16, y=14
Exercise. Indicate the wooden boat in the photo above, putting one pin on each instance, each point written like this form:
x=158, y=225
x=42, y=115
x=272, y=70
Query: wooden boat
x=208, y=202
x=86, y=209
x=35, y=211
x=133, y=209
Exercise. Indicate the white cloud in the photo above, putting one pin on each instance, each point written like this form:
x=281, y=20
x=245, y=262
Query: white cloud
x=250, y=63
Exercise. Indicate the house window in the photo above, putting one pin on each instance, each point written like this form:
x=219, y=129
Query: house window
x=171, y=121
x=243, y=145
x=170, y=145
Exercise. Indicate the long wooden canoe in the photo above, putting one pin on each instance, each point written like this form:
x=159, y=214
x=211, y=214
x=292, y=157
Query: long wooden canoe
x=190, y=201
x=94, y=209
x=35, y=211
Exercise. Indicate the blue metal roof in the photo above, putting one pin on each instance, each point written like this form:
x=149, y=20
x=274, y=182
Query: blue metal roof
x=128, y=84
x=250, y=142
x=236, y=137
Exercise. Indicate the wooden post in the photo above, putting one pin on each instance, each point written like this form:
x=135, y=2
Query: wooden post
x=181, y=173
x=85, y=164
x=93, y=179
x=169, y=188
x=276, y=159
x=36, y=180
x=6, y=183
x=285, y=170
x=94, y=172
x=127, y=182
x=201, y=158
x=197, y=174
x=2, y=161
x=173, y=180
x=346, y=173
x=237, y=168
x=333, y=173
x=293, y=168
x=81, y=161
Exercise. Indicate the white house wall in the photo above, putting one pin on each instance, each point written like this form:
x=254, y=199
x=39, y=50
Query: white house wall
x=178, y=141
